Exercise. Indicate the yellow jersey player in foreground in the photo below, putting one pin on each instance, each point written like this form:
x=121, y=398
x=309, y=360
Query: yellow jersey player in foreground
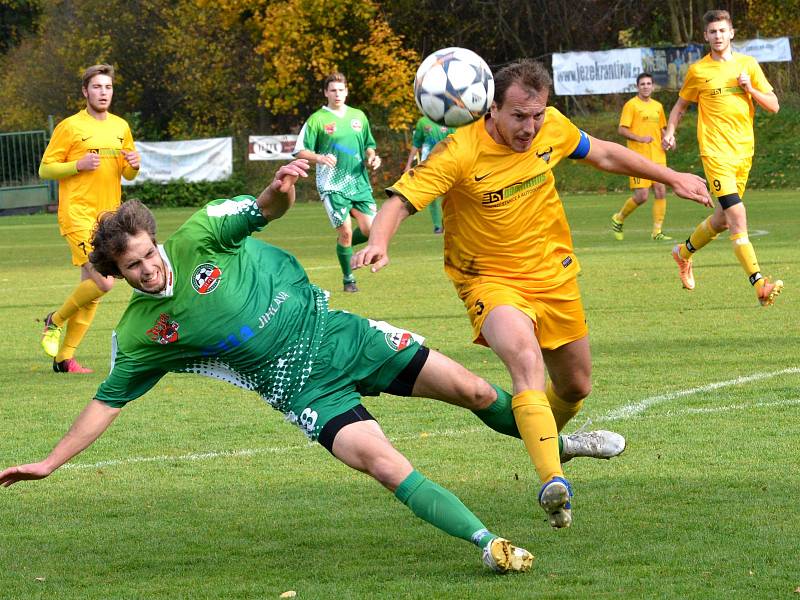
x=642, y=123
x=508, y=251
x=87, y=154
x=724, y=85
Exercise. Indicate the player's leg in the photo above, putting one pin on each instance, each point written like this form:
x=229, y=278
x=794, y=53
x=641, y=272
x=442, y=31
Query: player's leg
x=637, y=198
x=435, y=209
x=363, y=211
x=659, y=211
x=338, y=208
x=357, y=440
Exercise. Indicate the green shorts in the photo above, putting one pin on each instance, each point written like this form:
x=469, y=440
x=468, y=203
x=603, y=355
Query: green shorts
x=358, y=357
x=338, y=206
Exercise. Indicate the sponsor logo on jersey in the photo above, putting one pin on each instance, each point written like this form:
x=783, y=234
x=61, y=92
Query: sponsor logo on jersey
x=205, y=278
x=398, y=340
x=165, y=331
x=506, y=195
x=355, y=125
x=566, y=262
x=330, y=128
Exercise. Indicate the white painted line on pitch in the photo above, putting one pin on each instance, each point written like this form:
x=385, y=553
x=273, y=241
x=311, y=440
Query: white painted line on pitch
x=636, y=408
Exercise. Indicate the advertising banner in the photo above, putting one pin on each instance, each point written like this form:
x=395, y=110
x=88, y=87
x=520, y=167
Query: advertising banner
x=271, y=147
x=194, y=160
x=610, y=72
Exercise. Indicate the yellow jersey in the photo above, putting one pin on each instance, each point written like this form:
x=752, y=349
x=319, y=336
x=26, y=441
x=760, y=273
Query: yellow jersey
x=645, y=119
x=502, y=214
x=725, y=110
x=82, y=196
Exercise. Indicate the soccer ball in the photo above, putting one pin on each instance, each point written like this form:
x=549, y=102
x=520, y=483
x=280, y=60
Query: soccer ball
x=453, y=87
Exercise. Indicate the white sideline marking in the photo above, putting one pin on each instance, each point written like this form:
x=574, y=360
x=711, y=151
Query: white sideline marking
x=632, y=410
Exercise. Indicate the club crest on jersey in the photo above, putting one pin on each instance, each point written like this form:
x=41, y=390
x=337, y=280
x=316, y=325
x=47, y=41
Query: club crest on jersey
x=545, y=156
x=355, y=125
x=205, y=278
x=398, y=340
x=330, y=128
x=165, y=331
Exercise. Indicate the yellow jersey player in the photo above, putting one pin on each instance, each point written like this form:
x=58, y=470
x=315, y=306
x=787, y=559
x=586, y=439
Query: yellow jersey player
x=87, y=154
x=508, y=251
x=724, y=85
x=642, y=122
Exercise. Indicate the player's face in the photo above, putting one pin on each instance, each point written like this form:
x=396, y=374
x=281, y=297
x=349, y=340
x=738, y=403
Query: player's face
x=719, y=35
x=336, y=93
x=645, y=87
x=141, y=264
x=517, y=122
x=98, y=93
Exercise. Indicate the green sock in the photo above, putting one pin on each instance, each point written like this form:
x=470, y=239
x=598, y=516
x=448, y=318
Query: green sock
x=500, y=417
x=359, y=237
x=439, y=507
x=436, y=212
x=344, y=253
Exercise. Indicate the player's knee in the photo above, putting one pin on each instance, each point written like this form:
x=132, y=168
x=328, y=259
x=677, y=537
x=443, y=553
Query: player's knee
x=575, y=390
x=345, y=238
x=479, y=394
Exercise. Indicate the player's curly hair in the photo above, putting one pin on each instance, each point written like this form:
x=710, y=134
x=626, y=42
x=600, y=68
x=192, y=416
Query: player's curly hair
x=528, y=73
x=110, y=237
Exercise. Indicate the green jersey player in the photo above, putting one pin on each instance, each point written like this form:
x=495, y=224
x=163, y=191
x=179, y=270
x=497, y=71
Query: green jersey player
x=427, y=134
x=338, y=139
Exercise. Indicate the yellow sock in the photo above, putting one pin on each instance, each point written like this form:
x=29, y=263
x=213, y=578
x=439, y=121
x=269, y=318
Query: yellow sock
x=563, y=411
x=701, y=236
x=538, y=430
x=627, y=209
x=659, y=212
x=86, y=291
x=746, y=255
x=77, y=327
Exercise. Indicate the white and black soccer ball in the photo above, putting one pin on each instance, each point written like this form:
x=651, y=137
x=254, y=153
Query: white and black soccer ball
x=454, y=87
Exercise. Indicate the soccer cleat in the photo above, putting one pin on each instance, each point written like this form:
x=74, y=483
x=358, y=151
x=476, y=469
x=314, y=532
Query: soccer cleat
x=767, y=292
x=554, y=500
x=660, y=237
x=350, y=287
x=684, y=268
x=616, y=227
x=502, y=556
x=51, y=336
x=592, y=444
x=438, y=230
x=70, y=365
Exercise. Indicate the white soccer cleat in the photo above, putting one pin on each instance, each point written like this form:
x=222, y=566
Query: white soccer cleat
x=592, y=444
x=502, y=556
x=554, y=500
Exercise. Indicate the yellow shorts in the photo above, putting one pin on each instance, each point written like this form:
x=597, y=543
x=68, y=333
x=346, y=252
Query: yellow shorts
x=638, y=182
x=80, y=245
x=557, y=314
x=727, y=176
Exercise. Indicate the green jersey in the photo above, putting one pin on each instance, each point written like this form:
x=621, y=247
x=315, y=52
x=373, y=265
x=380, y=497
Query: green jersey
x=234, y=308
x=347, y=138
x=427, y=134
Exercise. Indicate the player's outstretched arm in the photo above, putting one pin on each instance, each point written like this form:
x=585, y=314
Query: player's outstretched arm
x=278, y=196
x=89, y=426
x=611, y=157
x=376, y=254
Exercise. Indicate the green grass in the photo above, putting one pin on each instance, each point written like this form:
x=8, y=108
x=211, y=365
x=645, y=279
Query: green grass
x=200, y=490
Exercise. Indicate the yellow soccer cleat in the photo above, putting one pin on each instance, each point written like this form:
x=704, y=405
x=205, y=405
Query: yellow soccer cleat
x=659, y=236
x=502, y=556
x=616, y=227
x=684, y=269
x=51, y=336
x=767, y=292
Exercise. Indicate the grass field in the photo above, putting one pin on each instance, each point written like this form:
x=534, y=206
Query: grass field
x=200, y=490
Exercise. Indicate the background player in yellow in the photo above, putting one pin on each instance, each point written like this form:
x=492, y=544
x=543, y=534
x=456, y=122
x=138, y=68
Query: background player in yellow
x=724, y=85
x=508, y=251
x=642, y=123
x=87, y=154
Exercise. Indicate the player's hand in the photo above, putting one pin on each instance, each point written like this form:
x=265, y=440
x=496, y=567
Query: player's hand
x=646, y=139
x=288, y=174
x=89, y=162
x=374, y=161
x=692, y=187
x=326, y=159
x=374, y=256
x=744, y=82
x=33, y=471
x=668, y=141
x=132, y=158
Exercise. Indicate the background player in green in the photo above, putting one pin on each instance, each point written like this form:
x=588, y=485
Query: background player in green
x=272, y=332
x=338, y=139
x=642, y=123
x=427, y=134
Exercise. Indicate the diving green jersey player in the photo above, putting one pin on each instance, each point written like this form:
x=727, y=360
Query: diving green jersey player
x=272, y=332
